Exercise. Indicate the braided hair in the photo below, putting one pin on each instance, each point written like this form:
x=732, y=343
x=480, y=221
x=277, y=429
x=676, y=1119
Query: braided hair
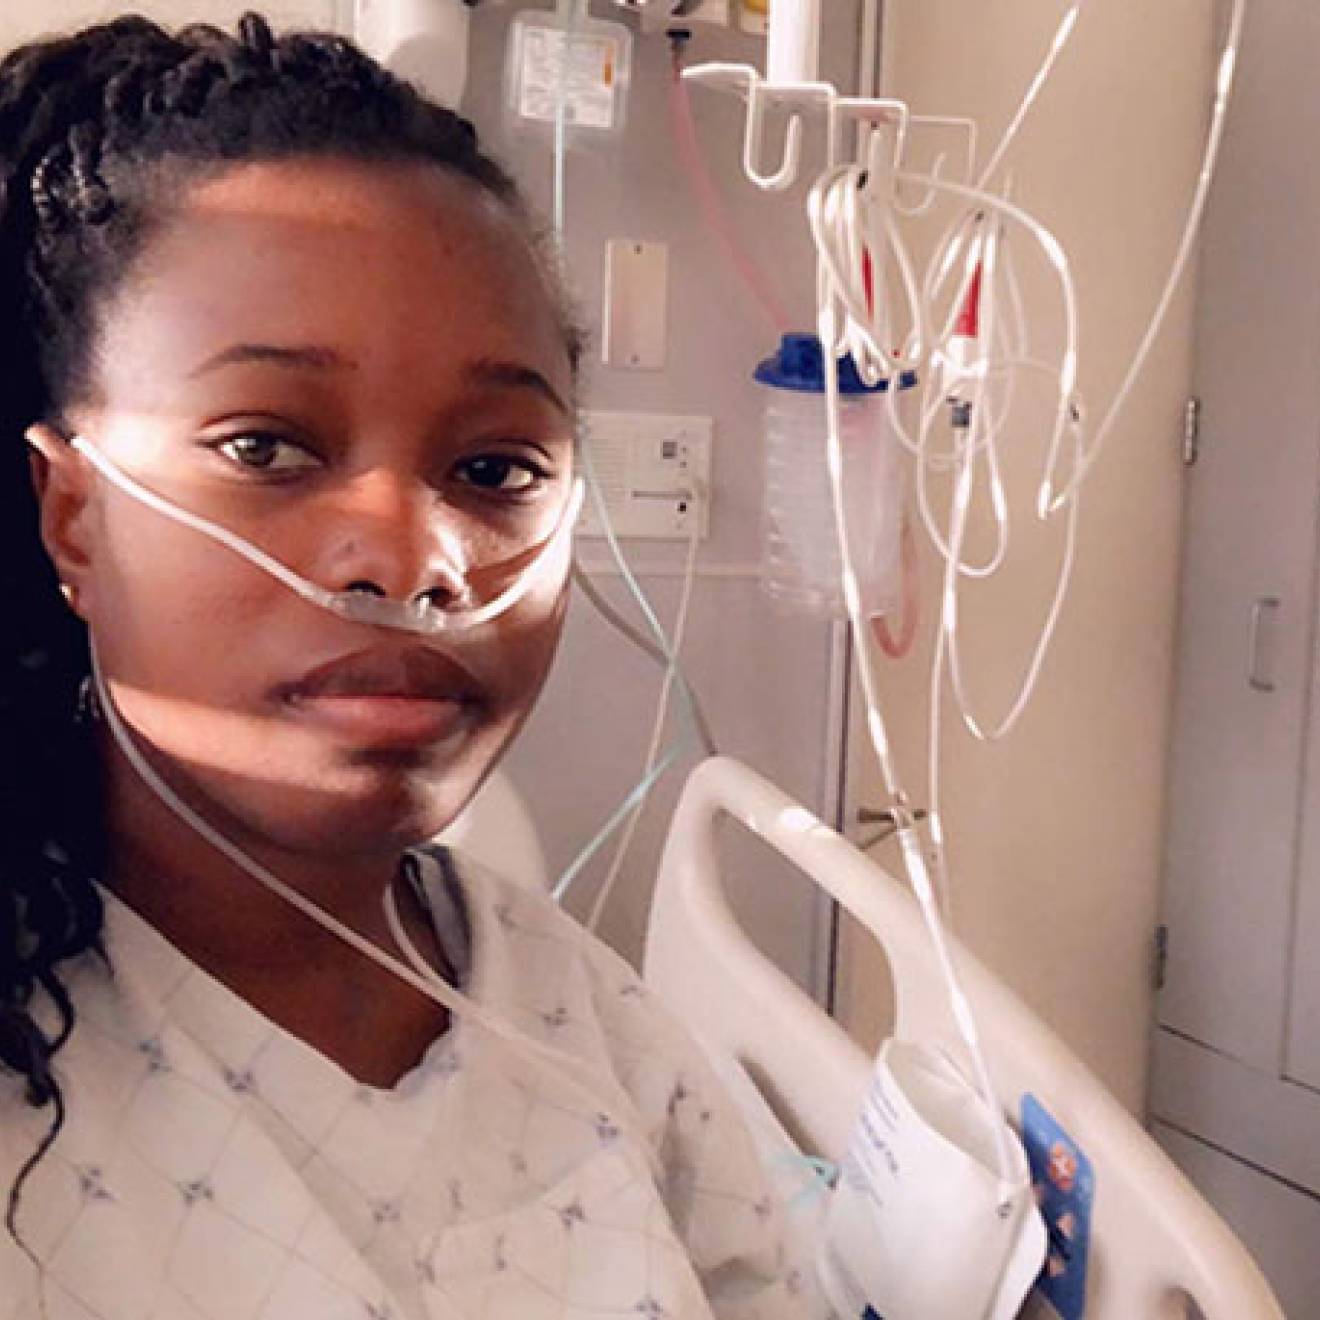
x=98, y=133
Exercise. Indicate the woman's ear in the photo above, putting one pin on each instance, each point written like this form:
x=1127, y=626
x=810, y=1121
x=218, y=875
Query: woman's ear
x=60, y=480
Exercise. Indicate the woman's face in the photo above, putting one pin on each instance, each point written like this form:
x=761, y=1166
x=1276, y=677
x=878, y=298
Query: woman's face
x=360, y=369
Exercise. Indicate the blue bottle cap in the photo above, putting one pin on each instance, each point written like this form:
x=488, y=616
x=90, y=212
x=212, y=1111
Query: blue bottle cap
x=800, y=365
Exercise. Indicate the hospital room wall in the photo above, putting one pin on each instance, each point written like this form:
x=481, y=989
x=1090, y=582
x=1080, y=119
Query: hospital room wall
x=763, y=675
x=1055, y=834
x=24, y=22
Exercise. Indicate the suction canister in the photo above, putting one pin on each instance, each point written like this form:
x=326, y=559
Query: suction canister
x=800, y=562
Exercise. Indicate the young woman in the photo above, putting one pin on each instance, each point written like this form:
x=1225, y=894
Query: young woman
x=287, y=400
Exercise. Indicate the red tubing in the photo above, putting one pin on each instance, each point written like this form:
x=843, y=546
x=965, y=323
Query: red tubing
x=712, y=207
x=898, y=647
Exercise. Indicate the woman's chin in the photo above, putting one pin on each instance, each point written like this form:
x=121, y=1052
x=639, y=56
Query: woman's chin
x=379, y=803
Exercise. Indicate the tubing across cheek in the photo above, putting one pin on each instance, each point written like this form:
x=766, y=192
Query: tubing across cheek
x=543, y=563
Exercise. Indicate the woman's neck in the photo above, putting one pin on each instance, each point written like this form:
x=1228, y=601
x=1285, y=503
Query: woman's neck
x=301, y=976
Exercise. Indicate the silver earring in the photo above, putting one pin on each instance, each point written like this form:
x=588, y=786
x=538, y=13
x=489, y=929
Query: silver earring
x=87, y=708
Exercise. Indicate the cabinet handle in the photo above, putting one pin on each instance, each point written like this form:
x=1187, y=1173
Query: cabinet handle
x=1254, y=678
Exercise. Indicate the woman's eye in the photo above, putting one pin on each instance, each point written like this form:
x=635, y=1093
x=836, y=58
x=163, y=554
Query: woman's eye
x=495, y=472
x=264, y=452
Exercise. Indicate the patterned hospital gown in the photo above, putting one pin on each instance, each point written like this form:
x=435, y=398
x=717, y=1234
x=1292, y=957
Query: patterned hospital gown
x=215, y=1166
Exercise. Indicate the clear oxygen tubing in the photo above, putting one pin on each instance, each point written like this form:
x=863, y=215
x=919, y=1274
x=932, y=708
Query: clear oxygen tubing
x=687, y=707
x=1224, y=80
x=1067, y=437
x=832, y=304
x=712, y=206
x=695, y=725
x=835, y=217
x=616, y=620
x=648, y=648
x=1062, y=36
x=1067, y=410
x=937, y=397
x=607, y=886
x=913, y=851
x=569, y=877
x=861, y=233
x=571, y=13
x=659, y=651
x=1010, y=360
x=976, y=445
x=947, y=661
x=834, y=214
x=961, y=252
x=969, y=418
x=421, y=977
x=1006, y=211
x=415, y=616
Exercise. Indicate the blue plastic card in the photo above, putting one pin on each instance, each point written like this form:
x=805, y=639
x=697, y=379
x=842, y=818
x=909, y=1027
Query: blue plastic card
x=1064, y=1184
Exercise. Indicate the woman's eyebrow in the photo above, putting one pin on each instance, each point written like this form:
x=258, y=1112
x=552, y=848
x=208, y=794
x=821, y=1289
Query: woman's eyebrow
x=483, y=371
x=492, y=371
x=305, y=356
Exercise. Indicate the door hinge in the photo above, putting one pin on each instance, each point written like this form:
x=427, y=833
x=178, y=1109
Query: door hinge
x=1191, y=437
x=1160, y=961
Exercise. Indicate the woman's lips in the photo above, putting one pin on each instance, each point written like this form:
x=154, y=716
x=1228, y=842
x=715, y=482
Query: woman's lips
x=393, y=698
x=388, y=721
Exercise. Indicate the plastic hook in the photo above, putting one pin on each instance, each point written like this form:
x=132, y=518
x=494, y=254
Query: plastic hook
x=753, y=138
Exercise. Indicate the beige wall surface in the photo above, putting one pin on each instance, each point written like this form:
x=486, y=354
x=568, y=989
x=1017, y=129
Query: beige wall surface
x=1055, y=833
x=24, y=22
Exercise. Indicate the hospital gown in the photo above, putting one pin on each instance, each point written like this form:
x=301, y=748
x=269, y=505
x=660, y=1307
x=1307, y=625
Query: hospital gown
x=213, y=1165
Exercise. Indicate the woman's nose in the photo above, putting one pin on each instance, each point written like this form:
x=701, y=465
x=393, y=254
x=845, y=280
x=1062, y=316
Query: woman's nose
x=392, y=535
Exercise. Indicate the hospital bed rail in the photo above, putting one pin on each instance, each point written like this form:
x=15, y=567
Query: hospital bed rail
x=1156, y=1244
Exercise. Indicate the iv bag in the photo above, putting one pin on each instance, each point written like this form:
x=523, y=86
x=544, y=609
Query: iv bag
x=585, y=62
